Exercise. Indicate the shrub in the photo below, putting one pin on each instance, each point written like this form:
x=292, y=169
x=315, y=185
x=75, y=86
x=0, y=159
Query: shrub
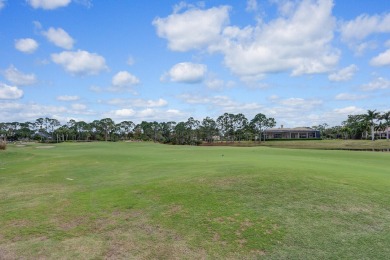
x=3, y=145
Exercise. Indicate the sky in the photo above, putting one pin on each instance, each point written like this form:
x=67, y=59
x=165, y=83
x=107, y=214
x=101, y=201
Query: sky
x=303, y=63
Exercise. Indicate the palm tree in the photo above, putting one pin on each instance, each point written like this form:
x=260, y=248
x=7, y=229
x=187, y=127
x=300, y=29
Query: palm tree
x=386, y=118
x=370, y=117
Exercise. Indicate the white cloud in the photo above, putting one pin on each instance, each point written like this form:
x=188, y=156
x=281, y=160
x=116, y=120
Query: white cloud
x=350, y=110
x=349, y=96
x=59, y=37
x=298, y=41
x=124, y=112
x=124, y=79
x=48, y=4
x=68, y=98
x=344, y=74
x=382, y=59
x=2, y=4
x=30, y=111
x=378, y=83
x=215, y=83
x=18, y=78
x=300, y=103
x=251, y=5
x=26, y=45
x=212, y=82
x=10, y=92
x=354, y=32
x=222, y=104
x=186, y=72
x=192, y=29
x=148, y=103
x=364, y=25
x=86, y=3
x=80, y=62
x=137, y=102
x=148, y=114
x=78, y=107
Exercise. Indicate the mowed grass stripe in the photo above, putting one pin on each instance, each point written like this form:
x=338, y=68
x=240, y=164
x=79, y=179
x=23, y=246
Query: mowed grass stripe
x=146, y=200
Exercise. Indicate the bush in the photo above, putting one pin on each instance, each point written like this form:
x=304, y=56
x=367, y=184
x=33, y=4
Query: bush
x=3, y=145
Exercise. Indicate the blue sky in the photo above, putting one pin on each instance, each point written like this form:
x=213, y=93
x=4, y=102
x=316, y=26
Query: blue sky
x=302, y=62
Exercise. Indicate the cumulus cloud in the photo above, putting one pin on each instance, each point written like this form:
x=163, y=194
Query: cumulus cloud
x=123, y=80
x=126, y=112
x=349, y=96
x=355, y=32
x=18, y=78
x=378, y=83
x=365, y=25
x=186, y=72
x=59, y=37
x=298, y=41
x=26, y=45
x=48, y=4
x=344, y=74
x=80, y=62
x=382, y=59
x=68, y=98
x=192, y=29
x=10, y=92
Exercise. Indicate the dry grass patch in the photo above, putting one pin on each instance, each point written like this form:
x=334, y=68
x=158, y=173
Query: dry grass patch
x=137, y=238
x=45, y=147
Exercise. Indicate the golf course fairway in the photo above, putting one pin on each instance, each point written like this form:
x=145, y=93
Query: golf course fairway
x=122, y=200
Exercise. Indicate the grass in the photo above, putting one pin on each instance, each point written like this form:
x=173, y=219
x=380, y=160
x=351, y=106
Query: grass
x=314, y=144
x=147, y=201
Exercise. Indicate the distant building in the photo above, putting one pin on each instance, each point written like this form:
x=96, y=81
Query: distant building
x=383, y=133
x=292, y=133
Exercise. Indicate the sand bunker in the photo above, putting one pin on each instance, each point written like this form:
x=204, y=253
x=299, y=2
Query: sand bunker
x=45, y=147
x=20, y=145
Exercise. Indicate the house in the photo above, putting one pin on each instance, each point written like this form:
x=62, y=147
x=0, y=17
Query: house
x=291, y=133
x=383, y=133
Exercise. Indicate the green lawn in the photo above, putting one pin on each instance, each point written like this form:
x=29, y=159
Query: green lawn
x=144, y=201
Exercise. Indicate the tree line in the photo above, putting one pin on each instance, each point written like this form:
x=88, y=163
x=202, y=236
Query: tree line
x=371, y=125
x=227, y=127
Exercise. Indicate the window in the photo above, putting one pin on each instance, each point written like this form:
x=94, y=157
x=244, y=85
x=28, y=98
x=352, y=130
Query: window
x=303, y=135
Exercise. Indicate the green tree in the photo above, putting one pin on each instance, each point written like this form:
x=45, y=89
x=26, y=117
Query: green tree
x=225, y=125
x=106, y=125
x=260, y=123
x=239, y=124
x=208, y=129
x=371, y=116
x=386, y=117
